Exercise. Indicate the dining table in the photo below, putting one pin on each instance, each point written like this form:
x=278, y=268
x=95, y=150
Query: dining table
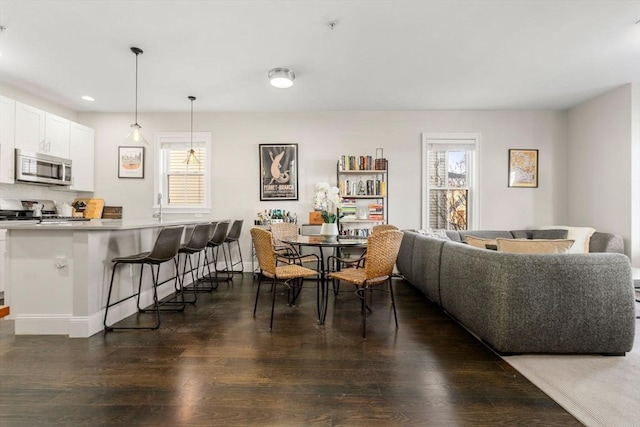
x=322, y=244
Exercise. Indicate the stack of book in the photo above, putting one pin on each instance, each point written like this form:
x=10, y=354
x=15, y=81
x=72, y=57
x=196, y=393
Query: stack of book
x=376, y=211
x=348, y=210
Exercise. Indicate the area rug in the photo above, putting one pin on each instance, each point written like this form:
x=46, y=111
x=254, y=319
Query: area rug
x=602, y=391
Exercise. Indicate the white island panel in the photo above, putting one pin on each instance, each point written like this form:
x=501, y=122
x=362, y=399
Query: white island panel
x=48, y=298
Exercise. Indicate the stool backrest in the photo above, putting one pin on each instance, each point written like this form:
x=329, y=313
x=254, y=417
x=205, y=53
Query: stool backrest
x=199, y=237
x=220, y=233
x=167, y=244
x=236, y=229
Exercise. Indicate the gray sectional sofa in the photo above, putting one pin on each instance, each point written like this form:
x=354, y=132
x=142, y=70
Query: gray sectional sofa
x=528, y=303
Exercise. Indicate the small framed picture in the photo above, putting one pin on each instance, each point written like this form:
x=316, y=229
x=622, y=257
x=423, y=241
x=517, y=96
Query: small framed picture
x=131, y=162
x=278, y=171
x=523, y=168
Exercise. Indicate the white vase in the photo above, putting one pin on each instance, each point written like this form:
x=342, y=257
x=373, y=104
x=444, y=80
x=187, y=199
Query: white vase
x=329, y=230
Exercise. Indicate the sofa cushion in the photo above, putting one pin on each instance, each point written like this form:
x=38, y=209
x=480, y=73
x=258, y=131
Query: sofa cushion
x=553, y=233
x=478, y=242
x=534, y=246
x=522, y=234
x=539, y=234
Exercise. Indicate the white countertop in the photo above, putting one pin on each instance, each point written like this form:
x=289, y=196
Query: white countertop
x=97, y=224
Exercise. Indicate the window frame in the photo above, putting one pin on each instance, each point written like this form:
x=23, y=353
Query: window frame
x=473, y=170
x=199, y=138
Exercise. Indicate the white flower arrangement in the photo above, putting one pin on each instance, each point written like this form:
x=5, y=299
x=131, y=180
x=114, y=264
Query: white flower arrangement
x=328, y=200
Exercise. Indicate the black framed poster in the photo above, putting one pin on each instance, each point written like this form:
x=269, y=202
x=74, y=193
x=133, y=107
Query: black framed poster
x=278, y=171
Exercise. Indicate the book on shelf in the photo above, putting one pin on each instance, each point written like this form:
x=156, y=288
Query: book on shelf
x=361, y=187
x=356, y=163
x=376, y=211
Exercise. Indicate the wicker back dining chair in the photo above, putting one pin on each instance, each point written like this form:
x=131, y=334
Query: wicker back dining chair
x=291, y=274
x=286, y=252
x=382, y=227
x=382, y=251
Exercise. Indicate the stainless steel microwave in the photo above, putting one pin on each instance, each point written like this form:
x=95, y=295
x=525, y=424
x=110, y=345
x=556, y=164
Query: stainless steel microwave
x=41, y=168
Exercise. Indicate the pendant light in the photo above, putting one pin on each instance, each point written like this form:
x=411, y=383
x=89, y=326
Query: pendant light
x=191, y=155
x=135, y=136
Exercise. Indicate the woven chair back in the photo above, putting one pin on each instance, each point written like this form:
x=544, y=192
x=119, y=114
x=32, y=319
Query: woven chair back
x=264, y=249
x=283, y=230
x=167, y=244
x=382, y=227
x=382, y=251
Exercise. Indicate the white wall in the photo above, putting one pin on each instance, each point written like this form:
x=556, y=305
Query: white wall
x=601, y=164
x=324, y=136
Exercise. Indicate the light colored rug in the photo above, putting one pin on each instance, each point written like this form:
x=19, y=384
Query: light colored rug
x=601, y=391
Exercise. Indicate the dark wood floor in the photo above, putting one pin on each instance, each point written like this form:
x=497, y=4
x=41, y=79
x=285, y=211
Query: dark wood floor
x=215, y=365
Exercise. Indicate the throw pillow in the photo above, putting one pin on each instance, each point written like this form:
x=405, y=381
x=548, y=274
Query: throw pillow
x=526, y=246
x=435, y=233
x=478, y=242
x=581, y=235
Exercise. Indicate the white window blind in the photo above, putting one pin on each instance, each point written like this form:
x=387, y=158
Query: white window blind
x=184, y=187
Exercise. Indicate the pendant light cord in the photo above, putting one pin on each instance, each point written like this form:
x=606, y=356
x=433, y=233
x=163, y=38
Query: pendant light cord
x=137, y=51
x=136, y=87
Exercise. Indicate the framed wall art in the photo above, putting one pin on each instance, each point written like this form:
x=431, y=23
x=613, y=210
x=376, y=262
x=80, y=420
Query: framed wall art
x=131, y=162
x=278, y=171
x=523, y=168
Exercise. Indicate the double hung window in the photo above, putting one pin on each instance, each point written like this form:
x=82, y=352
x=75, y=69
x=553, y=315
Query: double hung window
x=449, y=189
x=184, y=186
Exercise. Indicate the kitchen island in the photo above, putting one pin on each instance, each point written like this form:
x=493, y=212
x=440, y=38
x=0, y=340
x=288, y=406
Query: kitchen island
x=57, y=274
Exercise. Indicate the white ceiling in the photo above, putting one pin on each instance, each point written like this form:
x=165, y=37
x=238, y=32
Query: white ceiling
x=381, y=55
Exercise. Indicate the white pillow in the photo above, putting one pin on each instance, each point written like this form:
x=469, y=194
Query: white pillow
x=580, y=235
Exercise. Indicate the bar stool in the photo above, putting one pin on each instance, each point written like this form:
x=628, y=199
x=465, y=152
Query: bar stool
x=215, y=242
x=234, y=236
x=196, y=245
x=164, y=249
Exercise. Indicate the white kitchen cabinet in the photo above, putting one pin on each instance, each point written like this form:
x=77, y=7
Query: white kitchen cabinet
x=41, y=132
x=81, y=150
x=29, y=128
x=7, y=139
x=56, y=135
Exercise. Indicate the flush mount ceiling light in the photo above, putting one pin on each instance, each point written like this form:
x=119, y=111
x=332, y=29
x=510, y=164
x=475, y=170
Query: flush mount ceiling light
x=136, y=136
x=191, y=155
x=281, y=77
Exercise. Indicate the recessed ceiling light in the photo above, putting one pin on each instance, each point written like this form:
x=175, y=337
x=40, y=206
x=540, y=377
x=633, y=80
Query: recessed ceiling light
x=87, y=98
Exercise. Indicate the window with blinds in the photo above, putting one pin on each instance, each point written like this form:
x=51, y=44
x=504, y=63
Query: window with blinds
x=184, y=187
x=448, y=192
x=185, y=182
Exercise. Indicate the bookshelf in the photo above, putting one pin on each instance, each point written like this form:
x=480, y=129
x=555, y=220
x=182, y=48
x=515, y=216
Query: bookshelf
x=363, y=184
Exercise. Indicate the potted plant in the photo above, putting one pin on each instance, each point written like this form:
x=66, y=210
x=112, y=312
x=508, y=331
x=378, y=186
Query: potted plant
x=327, y=200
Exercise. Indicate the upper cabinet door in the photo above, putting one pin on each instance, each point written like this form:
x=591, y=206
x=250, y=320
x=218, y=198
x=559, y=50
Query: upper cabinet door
x=82, y=156
x=7, y=139
x=56, y=133
x=29, y=130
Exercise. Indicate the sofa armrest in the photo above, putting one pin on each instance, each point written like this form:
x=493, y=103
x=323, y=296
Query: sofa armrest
x=606, y=242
